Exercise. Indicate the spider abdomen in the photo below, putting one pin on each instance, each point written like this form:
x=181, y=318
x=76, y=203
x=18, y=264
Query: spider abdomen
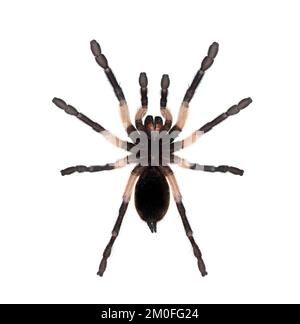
x=152, y=196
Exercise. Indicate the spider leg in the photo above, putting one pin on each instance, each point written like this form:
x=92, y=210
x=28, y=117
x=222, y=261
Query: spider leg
x=102, y=62
x=98, y=128
x=141, y=112
x=96, y=168
x=165, y=82
x=166, y=113
x=205, y=65
x=188, y=230
x=210, y=168
x=208, y=126
x=126, y=198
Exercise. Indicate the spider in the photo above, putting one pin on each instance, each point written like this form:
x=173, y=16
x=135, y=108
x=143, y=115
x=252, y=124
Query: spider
x=152, y=174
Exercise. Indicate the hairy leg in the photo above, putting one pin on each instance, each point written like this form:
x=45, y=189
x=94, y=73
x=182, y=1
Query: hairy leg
x=126, y=198
x=96, y=127
x=96, y=168
x=164, y=110
x=188, y=230
x=205, y=65
x=102, y=62
x=141, y=112
x=210, y=168
x=208, y=126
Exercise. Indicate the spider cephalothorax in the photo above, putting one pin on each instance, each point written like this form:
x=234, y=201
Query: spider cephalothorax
x=152, y=149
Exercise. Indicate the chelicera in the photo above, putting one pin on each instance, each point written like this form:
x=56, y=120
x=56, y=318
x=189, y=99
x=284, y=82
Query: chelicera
x=152, y=175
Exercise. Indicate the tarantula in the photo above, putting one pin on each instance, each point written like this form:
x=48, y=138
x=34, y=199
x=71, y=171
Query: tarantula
x=152, y=148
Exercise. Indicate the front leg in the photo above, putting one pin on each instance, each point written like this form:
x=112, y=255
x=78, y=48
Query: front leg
x=102, y=62
x=164, y=110
x=141, y=112
x=205, y=65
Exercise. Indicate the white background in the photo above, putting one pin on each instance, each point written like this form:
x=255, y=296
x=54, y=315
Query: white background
x=53, y=229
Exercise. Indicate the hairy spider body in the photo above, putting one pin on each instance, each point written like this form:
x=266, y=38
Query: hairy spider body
x=152, y=149
x=152, y=196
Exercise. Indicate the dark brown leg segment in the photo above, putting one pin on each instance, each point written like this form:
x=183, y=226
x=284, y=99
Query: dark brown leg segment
x=96, y=168
x=115, y=232
x=165, y=83
x=95, y=126
x=209, y=168
x=208, y=126
x=189, y=234
x=143, y=81
x=102, y=62
x=188, y=230
x=205, y=65
x=230, y=112
x=126, y=198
